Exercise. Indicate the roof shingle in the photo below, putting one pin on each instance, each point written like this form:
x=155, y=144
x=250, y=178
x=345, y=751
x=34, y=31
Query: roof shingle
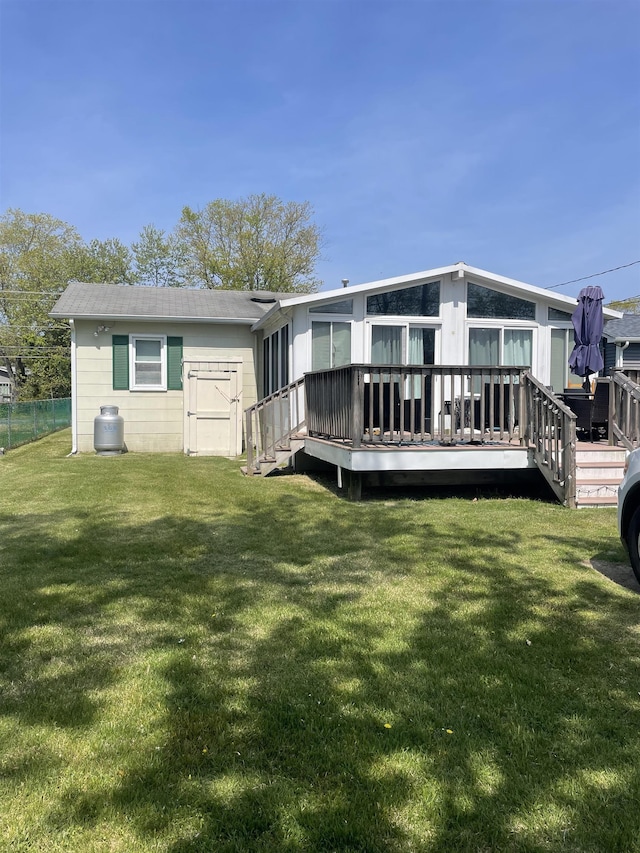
x=97, y=301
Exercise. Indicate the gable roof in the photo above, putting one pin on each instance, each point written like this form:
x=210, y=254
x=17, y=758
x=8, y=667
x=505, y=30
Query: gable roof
x=130, y=302
x=462, y=270
x=626, y=328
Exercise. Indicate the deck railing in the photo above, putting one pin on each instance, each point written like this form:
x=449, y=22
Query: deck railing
x=550, y=429
x=400, y=404
x=624, y=408
x=270, y=422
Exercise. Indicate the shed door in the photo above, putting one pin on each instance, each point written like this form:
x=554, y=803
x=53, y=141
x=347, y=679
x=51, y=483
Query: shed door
x=213, y=413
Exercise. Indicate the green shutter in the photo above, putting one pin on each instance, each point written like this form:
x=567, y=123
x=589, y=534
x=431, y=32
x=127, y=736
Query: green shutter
x=120, y=345
x=174, y=364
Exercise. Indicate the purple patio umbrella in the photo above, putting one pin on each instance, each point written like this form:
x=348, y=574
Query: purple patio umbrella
x=588, y=321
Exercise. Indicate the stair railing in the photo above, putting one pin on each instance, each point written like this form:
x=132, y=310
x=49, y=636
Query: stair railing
x=270, y=422
x=624, y=409
x=550, y=430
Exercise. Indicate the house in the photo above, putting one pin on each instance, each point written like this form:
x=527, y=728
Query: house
x=183, y=364
x=5, y=386
x=621, y=343
x=180, y=364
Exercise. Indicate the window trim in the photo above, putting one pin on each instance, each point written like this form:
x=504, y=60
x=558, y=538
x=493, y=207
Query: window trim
x=133, y=386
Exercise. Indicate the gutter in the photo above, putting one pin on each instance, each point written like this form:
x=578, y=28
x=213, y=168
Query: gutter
x=136, y=318
x=74, y=392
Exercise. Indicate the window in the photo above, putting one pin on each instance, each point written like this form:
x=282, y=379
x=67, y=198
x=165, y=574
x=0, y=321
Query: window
x=496, y=347
x=146, y=363
x=491, y=304
x=423, y=300
x=555, y=314
x=275, y=360
x=345, y=306
x=561, y=346
x=330, y=344
x=402, y=344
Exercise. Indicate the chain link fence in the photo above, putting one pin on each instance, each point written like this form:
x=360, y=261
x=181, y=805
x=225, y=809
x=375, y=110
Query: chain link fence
x=22, y=422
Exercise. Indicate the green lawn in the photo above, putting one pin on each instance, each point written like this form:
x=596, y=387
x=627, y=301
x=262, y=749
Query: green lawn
x=191, y=660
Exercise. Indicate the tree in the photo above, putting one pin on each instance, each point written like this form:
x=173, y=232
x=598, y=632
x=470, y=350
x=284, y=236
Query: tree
x=36, y=251
x=256, y=243
x=627, y=306
x=158, y=258
x=103, y=261
x=39, y=255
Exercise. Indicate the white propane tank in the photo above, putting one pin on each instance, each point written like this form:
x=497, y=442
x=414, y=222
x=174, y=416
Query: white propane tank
x=108, y=432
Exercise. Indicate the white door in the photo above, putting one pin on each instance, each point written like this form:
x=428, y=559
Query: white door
x=213, y=410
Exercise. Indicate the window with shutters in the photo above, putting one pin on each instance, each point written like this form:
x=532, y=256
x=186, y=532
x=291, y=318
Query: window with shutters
x=147, y=362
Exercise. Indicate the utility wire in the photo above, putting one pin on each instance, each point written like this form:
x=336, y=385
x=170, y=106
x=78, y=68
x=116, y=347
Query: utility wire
x=595, y=275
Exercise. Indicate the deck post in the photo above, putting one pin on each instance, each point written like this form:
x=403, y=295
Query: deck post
x=523, y=415
x=357, y=406
x=612, y=411
x=569, y=466
x=249, y=440
x=354, y=486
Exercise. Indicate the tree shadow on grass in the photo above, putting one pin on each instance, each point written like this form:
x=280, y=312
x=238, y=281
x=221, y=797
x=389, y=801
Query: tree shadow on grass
x=299, y=708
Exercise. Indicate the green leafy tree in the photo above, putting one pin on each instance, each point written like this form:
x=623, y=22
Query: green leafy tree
x=158, y=258
x=36, y=252
x=103, y=261
x=257, y=243
x=627, y=306
x=39, y=255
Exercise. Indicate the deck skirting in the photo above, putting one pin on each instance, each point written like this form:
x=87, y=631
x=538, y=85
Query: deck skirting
x=499, y=457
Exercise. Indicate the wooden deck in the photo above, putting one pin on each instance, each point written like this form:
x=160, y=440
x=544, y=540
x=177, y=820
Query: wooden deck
x=465, y=420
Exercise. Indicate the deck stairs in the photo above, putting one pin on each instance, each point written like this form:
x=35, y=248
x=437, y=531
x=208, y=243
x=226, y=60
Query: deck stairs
x=278, y=457
x=599, y=472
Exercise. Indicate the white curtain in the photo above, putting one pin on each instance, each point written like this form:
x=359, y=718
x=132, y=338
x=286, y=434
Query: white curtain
x=484, y=346
x=386, y=344
x=320, y=346
x=341, y=344
x=518, y=347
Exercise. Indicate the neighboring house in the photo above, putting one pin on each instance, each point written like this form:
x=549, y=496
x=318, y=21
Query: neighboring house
x=621, y=343
x=183, y=364
x=5, y=386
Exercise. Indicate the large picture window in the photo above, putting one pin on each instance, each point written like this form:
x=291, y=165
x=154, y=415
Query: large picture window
x=482, y=302
x=423, y=300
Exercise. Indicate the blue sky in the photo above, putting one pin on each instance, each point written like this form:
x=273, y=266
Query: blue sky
x=504, y=134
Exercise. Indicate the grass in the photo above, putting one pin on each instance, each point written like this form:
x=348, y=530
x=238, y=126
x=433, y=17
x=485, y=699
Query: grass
x=195, y=661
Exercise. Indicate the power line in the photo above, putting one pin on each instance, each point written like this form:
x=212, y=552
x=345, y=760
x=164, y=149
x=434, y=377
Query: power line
x=595, y=275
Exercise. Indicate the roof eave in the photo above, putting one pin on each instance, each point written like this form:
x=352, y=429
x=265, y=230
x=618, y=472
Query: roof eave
x=161, y=318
